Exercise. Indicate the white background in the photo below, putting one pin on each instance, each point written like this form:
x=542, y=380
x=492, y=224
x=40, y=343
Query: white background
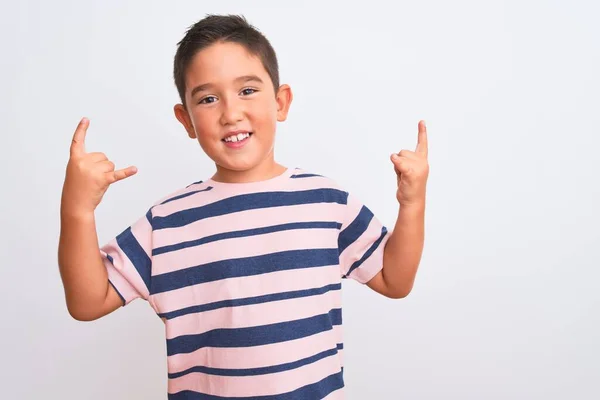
x=506, y=302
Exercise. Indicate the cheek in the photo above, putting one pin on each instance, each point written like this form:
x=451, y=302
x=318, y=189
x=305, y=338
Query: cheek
x=265, y=118
x=205, y=126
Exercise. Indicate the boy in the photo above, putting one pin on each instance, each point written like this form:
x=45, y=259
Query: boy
x=245, y=268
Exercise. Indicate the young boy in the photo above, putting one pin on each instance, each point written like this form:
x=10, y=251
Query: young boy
x=244, y=268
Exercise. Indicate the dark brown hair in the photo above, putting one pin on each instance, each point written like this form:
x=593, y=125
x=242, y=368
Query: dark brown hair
x=222, y=28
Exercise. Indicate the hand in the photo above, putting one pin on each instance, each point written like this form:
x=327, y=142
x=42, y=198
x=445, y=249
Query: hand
x=88, y=176
x=412, y=171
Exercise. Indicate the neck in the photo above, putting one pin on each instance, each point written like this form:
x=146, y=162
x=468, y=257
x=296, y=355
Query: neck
x=263, y=171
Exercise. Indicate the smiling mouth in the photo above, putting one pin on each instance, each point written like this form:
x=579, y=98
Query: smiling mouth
x=240, y=137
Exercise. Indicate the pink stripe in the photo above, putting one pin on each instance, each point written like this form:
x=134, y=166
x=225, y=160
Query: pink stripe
x=250, y=246
x=142, y=231
x=191, y=188
x=253, y=315
x=220, y=193
x=250, y=219
x=259, y=385
x=351, y=211
x=246, y=286
x=256, y=356
x=339, y=334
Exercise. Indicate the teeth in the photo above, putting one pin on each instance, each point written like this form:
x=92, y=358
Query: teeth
x=237, y=138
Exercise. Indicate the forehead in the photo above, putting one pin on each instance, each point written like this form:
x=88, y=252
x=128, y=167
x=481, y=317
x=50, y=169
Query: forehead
x=221, y=63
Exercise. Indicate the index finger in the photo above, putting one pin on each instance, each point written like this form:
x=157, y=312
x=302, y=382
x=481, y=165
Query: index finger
x=422, y=140
x=78, y=143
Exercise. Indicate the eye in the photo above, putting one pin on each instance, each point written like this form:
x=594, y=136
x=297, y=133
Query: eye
x=208, y=100
x=248, y=91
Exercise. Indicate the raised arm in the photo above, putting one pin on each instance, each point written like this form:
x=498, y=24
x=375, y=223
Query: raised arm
x=88, y=293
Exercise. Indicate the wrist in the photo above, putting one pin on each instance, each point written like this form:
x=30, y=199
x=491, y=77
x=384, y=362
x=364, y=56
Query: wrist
x=413, y=207
x=76, y=214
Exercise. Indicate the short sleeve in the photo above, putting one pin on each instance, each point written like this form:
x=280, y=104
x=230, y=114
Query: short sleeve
x=128, y=260
x=361, y=242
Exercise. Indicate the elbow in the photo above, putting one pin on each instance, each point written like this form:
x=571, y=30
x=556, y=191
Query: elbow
x=81, y=315
x=400, y=293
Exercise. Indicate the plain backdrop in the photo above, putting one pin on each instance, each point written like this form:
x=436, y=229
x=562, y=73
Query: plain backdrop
x=506, y=302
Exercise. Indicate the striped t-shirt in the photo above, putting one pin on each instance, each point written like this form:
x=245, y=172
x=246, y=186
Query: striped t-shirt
x=247, y=279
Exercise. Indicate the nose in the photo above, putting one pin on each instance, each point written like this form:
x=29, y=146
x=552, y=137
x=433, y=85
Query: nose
x=232, y=112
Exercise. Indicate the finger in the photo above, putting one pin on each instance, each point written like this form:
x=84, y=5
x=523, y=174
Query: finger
x=402, y=165
x=97, y=157
x=408, y=154
x=422, y=146
x=78, y=142
x=106, y=166
x=121, y=174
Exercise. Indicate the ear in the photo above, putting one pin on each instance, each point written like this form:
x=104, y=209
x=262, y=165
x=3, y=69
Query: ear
x=284, y=100
x=182, y=116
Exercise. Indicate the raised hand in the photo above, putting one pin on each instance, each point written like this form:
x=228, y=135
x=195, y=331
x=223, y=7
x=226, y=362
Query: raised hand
x=88, y=176
x=412, y=171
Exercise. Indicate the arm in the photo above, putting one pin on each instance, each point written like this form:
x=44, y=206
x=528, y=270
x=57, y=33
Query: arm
x=402, y=254
x=404, y=248
x=88, y=293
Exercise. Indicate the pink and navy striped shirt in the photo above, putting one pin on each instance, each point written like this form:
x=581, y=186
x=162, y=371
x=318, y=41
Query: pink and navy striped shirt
x=247, y=279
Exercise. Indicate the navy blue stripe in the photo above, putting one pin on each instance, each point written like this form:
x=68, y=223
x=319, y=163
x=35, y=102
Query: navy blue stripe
x=255, y=335
x=340, y=346
x=251, y=300
x=193, y=183
x=315, y=391
x=249, y=202
x=248, y=266
x=136, y=254
x=355, y=229
x=304, y=176
x=181, y=196
x=117, y=290
x=373, y=247
x=247, y=232
x=257, y=371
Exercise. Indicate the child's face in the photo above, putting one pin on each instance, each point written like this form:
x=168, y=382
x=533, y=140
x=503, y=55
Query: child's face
x=228, y=90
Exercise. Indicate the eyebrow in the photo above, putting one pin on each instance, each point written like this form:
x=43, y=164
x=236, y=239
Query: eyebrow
x=240, y=79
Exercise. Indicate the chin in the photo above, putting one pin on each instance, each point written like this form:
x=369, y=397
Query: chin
x=238, y=165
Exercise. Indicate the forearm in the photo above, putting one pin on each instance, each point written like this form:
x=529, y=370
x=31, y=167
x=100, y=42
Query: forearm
x=81, y=267
x=403, y=250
